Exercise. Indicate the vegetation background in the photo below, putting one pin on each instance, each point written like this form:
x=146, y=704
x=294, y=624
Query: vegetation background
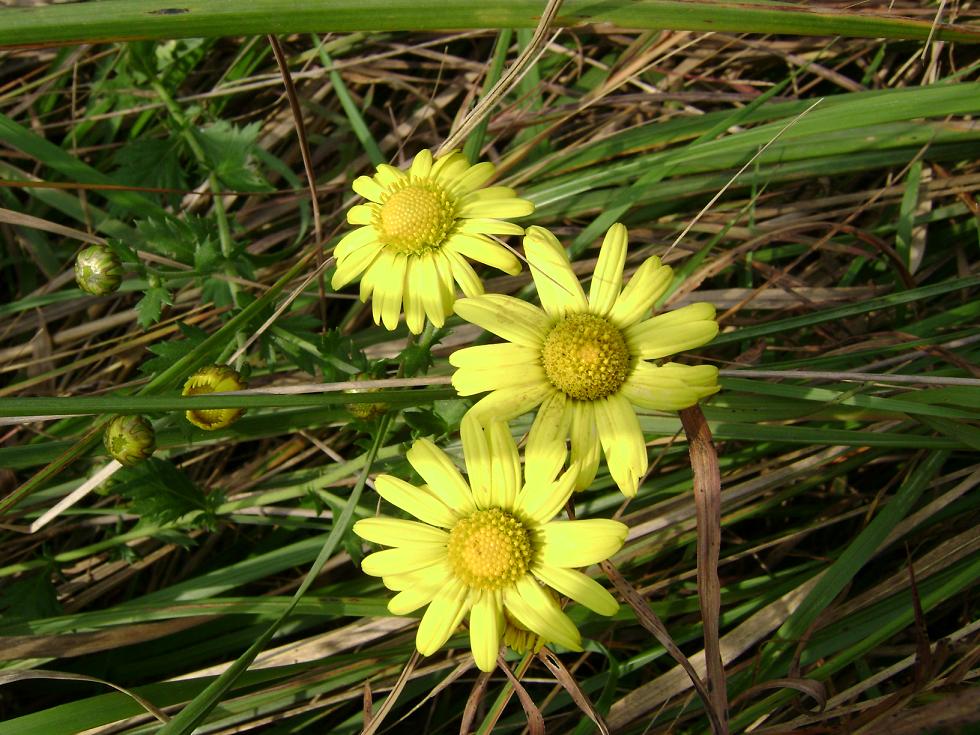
x=811, y=171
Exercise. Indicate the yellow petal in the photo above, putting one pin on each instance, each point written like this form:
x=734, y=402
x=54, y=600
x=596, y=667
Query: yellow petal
x=607, y=279
x=622, y=442
x=670, y=387
x=484, y=250
x=537, y=611
x=586, y=449
x=443, y=616
x=463, y=273
x=398, y=532
x=391, y=302
x=355, y=240
x=545, y=452
x=512, y=319
x=579, y=587
x=447, y=287
x=387, y=176
x=422, y=165
x=381, y=275
x=541, y=502
x=682, y=329
x=354, y=265
x=434, y=576
x=449, y=167
x=505, y=356
x=648, y=284
x=509, y=403
x=474, y=178
x=368, y=188
x=558, y=287
x=421, y=504
x=505, y=466
x=468, y=381
x=579, y=543
x=411, y=599
x=476, y=454
x=441, y=475
x=429, y=289
x=402, y=560
x=486, y=630
x=488, y=226
x=414, y=308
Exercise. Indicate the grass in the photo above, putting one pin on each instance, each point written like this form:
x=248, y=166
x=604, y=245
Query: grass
x=817, y=185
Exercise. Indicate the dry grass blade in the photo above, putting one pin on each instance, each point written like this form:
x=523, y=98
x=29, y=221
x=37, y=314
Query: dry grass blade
x=535, y=721
x=473, y=702
x=12, y=676
x=707, y=503
x=810, y=687
x=649, y=620
x=565, y=678
x=371, y=727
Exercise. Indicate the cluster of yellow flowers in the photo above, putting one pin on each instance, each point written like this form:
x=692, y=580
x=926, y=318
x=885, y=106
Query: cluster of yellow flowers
x=488, y=547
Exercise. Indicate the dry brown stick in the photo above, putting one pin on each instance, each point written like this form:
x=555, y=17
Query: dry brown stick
x=707, y=503
x=304, y=148
x=371, y=727
x=649, y=620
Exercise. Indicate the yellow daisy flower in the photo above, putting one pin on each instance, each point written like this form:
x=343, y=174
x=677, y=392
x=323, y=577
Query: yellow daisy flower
x=416, y=232
x=485, y=547
x=585, y=362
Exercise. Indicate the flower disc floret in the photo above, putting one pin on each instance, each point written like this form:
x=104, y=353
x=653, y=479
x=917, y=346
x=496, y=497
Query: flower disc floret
x=586, y=357
x=489, y=549
x=416, y=218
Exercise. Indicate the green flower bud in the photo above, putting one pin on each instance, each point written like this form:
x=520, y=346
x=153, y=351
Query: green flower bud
x=365, y=411
x=129, y=439
x=98, y=270
x=213, y=379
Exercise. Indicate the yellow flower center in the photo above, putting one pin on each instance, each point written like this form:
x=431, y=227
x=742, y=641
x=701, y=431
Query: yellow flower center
x=416, y=218
x=489, y=549
x=586, y=357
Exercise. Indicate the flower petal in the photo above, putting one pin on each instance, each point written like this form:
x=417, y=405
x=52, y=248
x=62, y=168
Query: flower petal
x=355, y=240
x=496, y=202
x=433, y=576
x=488, y=226
x=541, y=503
x=484, y=250
x=607, y=279
x=449, y=167
x=445, y=613
x=558, y=287
x=512, y=319
x=648, y=284
x=537, y=611
x=545, y=451
x=486, y=630
x=666, y=334
x=411, y=599
x=398, y=532
x=505, y=466
x=414, y=308
x=586, y=450
x=579, y=543
x=476, y=454
x=670, y=387
x=463, y=273
x=421, y=504
x=387, y=176
x=368, y=188
x=360, y=214
x=579, y=587
x=421, y=165
x=380, y=278
x=509, y=403
x=354, y=265
x=475, y=177
x=402, y=560
x=391, y=293
x=431, y=289
x=622, y=442
x=441, y=475
x=468, y=381
x=506, y=356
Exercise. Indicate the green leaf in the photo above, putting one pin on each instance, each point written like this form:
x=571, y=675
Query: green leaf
x=151, y=162
x=169, y=352
x=149, y=308
x=231, y=153
x=158, y=491
x=29, y=598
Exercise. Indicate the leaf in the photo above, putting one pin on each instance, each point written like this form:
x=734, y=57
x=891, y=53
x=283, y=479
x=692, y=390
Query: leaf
x=29, y=598
x=151, y=162
x=158, y=492
x=167, y=353
x=149, y=308
x=231, y=152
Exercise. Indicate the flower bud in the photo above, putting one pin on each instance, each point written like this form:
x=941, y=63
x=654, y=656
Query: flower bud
x=213, y=379
x=129, y=439
x=98, y=270
x=365, y=411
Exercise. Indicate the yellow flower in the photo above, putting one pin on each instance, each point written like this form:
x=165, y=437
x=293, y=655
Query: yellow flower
x=585, y=361
x=213, y=379
x=486, y=547
x=417, y=230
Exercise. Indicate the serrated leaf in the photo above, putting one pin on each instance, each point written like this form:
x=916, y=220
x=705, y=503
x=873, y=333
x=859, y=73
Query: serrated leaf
x=425, y=423
x=149, y=308
x=230, y=150
x=153, y=162
x=29, y=598
x=167, y=353
x=157, y=491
